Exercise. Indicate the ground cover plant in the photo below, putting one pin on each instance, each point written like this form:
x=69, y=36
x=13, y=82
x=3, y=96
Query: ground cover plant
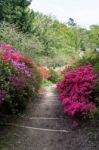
x=19, y=80
x=47, y=83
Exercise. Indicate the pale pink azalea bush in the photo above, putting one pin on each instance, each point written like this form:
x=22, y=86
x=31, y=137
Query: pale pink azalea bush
x=76, y=91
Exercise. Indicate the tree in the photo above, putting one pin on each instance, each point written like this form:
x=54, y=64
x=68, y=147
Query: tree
x=71, y=22
x=17, y=12
x=94, y=36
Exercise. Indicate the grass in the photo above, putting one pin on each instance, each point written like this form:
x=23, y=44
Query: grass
x=47, y=83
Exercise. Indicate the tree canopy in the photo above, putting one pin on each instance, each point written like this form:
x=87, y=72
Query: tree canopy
x=59, y=41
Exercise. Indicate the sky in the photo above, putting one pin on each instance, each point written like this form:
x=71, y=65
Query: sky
x=84, y=12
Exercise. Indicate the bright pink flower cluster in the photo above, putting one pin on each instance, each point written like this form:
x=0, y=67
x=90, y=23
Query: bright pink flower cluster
x=76, y=91
x=10, y=53
x=15, y=58
x=20, y=80
x=24, y=72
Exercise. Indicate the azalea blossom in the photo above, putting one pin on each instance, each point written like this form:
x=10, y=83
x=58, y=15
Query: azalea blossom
x=75, y=91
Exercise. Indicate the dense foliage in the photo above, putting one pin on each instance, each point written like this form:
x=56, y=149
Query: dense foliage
x=54, y=77
x=49, y=43
x=43, y=36
x=26, y=43
x=17, y=12
x=46, y=37
x=89, y=59
x=19, y=80
x=76, y=91
x=93, y=60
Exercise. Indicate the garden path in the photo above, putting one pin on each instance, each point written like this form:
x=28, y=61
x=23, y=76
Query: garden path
x=44, y=126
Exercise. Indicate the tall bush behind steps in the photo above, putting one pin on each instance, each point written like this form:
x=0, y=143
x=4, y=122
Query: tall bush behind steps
x=76, y=91
x=19, y=80
x=45, y=72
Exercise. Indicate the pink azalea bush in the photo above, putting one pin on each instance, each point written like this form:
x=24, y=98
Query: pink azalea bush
x=19, y=79
x=76, y=91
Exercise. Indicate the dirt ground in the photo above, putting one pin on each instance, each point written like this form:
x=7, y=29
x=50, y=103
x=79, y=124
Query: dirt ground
x=44, y=126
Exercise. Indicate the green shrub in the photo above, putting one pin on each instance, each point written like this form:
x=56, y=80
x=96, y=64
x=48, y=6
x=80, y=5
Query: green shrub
x=91, y=58
x=47, y=83
x=27, y=44
x=54, y=78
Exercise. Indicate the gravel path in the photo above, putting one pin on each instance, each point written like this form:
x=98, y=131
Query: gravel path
x=44, y=126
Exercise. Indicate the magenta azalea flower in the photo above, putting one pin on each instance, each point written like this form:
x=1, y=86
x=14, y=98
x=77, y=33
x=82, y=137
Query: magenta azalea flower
x=75, y=91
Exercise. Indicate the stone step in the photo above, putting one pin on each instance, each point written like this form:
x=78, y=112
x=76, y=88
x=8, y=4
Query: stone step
x=44, y=123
